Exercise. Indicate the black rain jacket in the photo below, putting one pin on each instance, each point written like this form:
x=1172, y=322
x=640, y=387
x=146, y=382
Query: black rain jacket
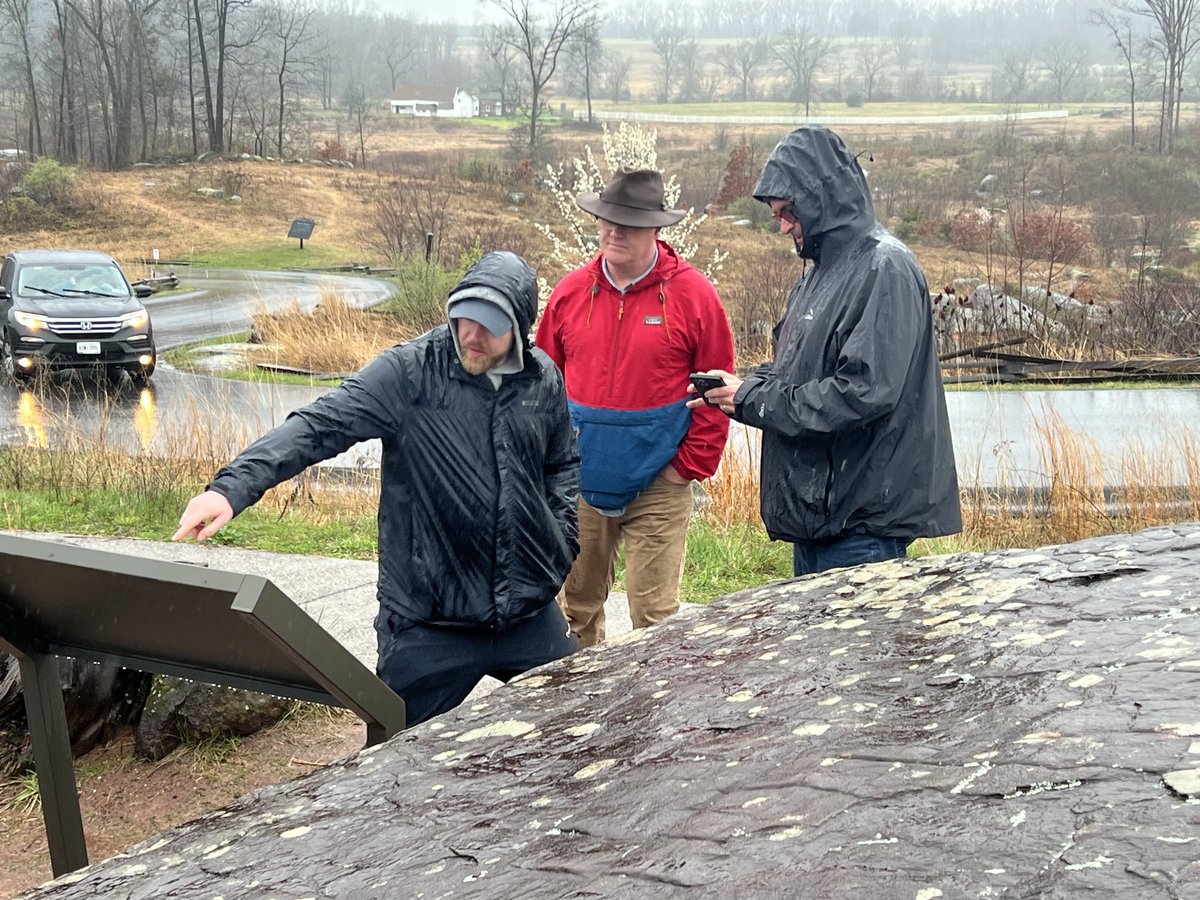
x=856, y=438
x=478, y=524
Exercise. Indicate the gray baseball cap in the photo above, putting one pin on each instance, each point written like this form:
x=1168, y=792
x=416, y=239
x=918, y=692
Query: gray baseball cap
x=486, y=313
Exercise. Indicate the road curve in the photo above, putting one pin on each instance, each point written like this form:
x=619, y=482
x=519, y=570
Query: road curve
x=176, y=410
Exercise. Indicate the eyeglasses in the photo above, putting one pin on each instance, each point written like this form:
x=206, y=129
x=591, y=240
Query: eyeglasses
x=784, y=215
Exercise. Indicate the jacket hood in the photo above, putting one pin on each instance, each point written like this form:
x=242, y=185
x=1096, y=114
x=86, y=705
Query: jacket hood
x=813, y=170
x=506, y=273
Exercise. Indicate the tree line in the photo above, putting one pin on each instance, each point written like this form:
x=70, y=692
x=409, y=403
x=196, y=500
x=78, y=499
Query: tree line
x=112, y=82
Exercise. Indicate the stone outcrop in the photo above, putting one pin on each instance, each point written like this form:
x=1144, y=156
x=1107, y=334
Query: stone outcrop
x=1011, y=724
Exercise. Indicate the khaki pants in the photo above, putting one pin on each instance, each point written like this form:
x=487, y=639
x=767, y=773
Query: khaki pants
x=654, y=529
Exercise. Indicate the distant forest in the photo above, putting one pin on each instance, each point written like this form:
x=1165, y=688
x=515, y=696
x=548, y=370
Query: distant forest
x=109, y=83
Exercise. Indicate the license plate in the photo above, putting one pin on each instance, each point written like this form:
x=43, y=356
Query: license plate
x=88, y=347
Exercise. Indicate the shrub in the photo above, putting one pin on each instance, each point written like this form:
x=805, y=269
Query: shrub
x=973, y=229
x=424, y=287
x=758, y=213
x=737, y=181
x=1050, y=236
x=48, y=182
x=854, y=99
x=331, y=149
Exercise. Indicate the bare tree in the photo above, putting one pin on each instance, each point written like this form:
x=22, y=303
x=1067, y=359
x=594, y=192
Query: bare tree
x=17, y=13
x=224, y=40
x=498, y=46
x=669, y=33
x=873, y=57
x=1120, y=28
x=117, y=31
x=1063, y=58
x=1015, y=67
x=615, y=74
x=357, y=105
x=538, y=38
x=691, y=71
x=802, y=52
x=289, y=26
x=395, y=43
x=741, y=60
x=66, y=119
x=1176, y=41
x=904, y=46
x=586, y=51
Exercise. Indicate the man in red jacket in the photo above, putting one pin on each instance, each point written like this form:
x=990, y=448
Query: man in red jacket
x=627, y=330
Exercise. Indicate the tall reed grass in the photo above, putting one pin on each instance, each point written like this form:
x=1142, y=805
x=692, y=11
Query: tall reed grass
x=108, y=478
x=1160, y=484
x=334, y=337
x=60, y=461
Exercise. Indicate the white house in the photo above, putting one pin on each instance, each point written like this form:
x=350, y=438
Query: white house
x=433, y=100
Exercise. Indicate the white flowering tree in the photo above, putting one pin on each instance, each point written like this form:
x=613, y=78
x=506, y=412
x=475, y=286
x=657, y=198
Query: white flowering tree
x=574, y=239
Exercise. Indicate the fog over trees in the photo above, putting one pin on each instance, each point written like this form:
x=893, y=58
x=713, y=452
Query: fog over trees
x=112, y=82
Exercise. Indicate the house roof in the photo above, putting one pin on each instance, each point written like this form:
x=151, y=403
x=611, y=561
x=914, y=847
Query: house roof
x=425, y=93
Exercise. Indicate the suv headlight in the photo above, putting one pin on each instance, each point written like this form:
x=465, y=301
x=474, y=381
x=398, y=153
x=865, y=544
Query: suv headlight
x=135, y=319
x=30, y=321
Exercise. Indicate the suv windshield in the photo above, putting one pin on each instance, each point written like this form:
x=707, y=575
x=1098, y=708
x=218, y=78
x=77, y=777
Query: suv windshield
x=72, y=281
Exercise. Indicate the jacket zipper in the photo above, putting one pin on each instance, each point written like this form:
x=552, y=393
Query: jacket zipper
x=829, y=483
x=497, y=449
x=612, y=366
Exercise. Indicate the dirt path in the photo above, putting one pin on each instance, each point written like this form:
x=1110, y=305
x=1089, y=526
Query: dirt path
x=125, y=801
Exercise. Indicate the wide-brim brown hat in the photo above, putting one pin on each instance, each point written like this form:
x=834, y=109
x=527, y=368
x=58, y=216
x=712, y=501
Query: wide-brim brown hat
x=633, y=197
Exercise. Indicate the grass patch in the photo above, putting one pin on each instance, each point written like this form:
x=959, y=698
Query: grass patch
x=22, y=795
x=115, y=512
x=283, y=254
x=722, y=559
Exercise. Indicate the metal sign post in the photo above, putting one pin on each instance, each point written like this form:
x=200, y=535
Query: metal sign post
x=301, y=228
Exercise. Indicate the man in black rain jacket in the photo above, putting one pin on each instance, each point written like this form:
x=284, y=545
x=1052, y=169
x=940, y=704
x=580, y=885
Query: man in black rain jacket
x=480, y=478
x=856, y=452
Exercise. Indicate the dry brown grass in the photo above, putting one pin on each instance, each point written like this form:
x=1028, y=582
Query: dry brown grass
x=336, y=337
x=1161, y=485
x=733, y=491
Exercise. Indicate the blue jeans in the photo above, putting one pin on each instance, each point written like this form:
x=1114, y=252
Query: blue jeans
x=434, y=667
x=810, y=557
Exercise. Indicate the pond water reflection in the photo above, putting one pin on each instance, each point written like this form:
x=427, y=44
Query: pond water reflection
x=1000, y=437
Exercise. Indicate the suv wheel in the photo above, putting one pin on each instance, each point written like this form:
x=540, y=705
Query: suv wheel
x=9, y=364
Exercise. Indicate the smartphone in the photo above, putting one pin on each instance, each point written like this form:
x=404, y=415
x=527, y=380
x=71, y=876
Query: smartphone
x=706, y=383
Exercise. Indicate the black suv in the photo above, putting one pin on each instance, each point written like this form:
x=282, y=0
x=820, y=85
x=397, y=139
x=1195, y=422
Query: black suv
x=72, y=309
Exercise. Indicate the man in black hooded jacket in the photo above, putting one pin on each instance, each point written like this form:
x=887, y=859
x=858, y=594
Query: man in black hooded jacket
x=856, y=452
x=480, y=480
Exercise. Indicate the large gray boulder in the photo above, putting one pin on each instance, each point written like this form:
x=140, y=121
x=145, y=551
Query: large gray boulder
x=1015, y=724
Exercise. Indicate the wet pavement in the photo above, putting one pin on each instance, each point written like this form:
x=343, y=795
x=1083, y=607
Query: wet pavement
x=1012, y=724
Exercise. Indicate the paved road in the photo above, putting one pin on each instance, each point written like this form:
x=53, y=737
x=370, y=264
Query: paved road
x=217, y=302
x=163, y=416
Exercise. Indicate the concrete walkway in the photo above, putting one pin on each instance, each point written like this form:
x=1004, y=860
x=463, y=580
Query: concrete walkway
x=338, y=593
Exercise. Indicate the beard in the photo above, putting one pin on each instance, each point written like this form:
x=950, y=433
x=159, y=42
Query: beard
x=477, y=363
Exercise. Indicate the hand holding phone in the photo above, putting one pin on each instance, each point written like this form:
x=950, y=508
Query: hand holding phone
x=704, y=383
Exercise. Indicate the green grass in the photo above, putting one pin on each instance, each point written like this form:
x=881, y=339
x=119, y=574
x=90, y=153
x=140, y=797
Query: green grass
x=26, y=797
x=723, y=560
x=122, y=513
x=284, y=254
